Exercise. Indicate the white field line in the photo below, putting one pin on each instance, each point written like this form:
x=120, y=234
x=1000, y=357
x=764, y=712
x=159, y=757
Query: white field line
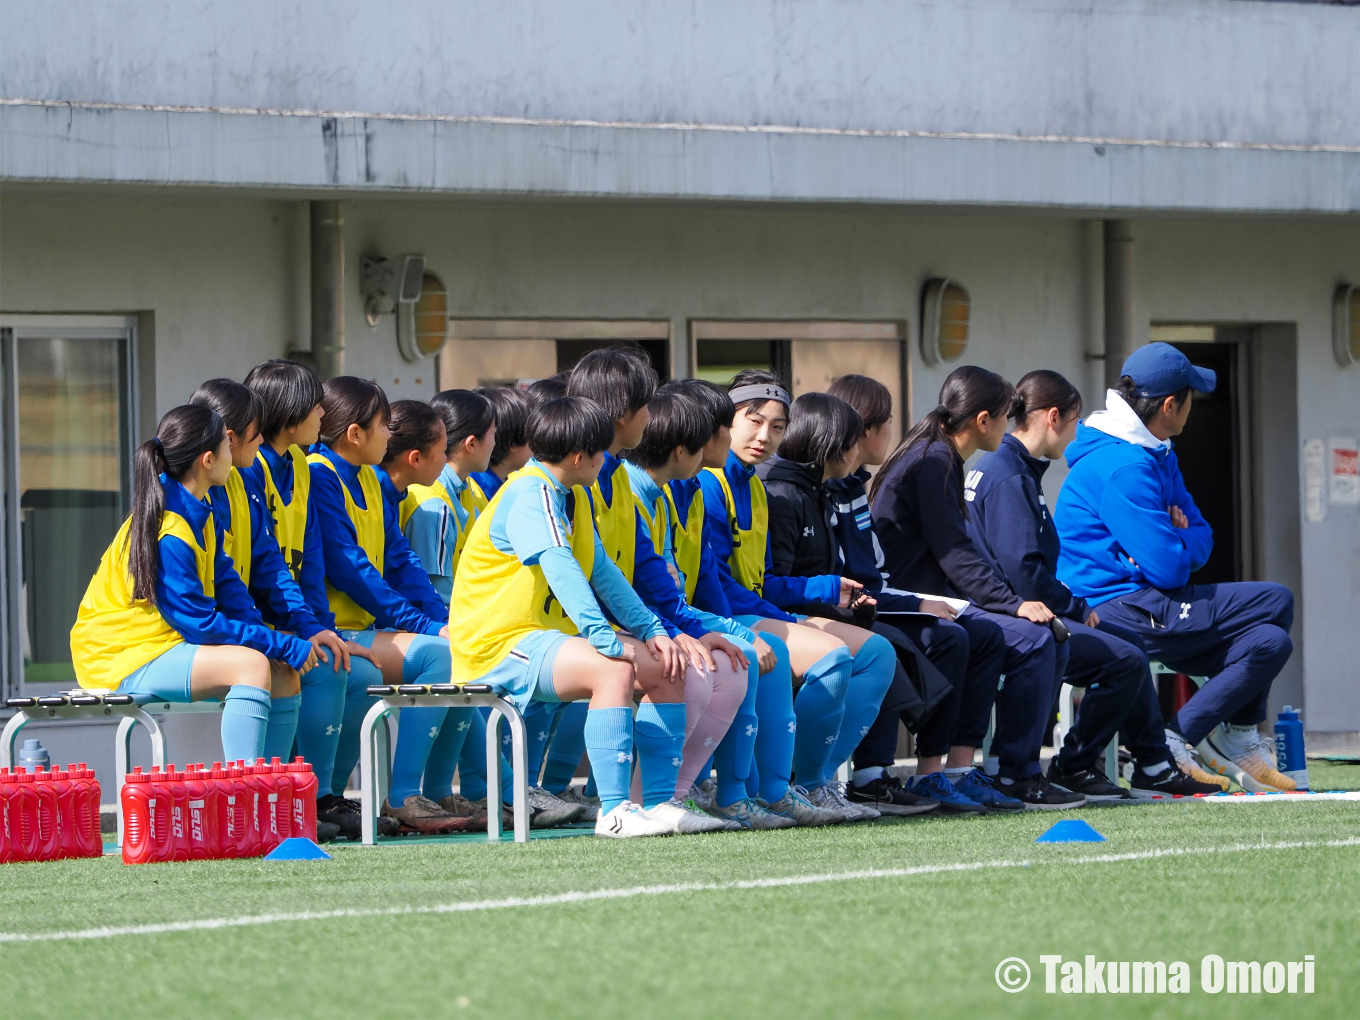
x=585, y=896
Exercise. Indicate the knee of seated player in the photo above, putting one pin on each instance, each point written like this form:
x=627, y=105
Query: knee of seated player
x=284, y=680
x=218, y=668
x=1274, y=642
x=1284, y=601
x=651, y=682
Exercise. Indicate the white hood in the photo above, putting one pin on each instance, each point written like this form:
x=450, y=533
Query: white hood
x=1119, y=421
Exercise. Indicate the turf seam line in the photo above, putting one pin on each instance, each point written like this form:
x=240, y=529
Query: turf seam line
x=590, y=895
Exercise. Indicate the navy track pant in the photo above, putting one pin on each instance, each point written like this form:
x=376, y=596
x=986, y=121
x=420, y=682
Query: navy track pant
x=1236, y=634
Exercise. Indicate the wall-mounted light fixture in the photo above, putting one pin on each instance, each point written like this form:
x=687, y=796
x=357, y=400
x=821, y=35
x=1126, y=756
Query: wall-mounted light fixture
x=1346, y=324
x=944, y=320
x=400, y=284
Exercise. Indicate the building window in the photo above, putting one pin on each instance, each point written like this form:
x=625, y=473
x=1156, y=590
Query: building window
x=67, y=427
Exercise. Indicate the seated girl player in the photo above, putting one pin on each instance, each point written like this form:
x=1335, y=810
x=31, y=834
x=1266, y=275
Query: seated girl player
x=165, y=616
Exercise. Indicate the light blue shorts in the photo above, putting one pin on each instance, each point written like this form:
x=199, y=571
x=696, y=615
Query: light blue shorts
x=165, y=678
x=525, y=674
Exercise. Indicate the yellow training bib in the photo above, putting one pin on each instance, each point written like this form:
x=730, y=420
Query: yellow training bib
x=614, y=521
x=236, y=539
x=497, y=599
x=473, y=497
x=114, y=635
x=748, y=545
x=290, y=519
x=418, y=494
x=372, y=535
x=687, y=538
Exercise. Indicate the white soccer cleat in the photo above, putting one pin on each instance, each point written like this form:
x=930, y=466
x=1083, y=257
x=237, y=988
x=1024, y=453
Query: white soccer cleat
x=1185, y=761
x=1241, y=754
x=627, y=821
x=682, y=821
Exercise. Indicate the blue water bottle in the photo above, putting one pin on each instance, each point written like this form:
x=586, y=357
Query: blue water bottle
x=1289, y=753
x=33, y=756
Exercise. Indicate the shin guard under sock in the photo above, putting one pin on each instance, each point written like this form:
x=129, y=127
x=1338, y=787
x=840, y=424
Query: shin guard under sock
x=282, y=727
x=245, y=717
x=870, y=676
x=819, y=707
x=609, y=743
x=659, y=735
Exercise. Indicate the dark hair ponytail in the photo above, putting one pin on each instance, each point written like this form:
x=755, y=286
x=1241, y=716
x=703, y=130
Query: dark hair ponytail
x=1041, y=389
x=184, y=434
x=238, y=405
x=348, y=400
x=415, y=426
x=966, y=393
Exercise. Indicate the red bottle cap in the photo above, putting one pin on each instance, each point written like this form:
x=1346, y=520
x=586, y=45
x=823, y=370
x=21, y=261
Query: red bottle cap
x=278, y=766
x=24, y=776
x=137, y=776
x=299, y=764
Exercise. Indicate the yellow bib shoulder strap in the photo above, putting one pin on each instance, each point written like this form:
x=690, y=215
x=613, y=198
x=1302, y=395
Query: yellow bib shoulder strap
x=418, y=494
x=290, y=518
x=238, y=537
x=687, y=538
x=371, y=532
x=614, y=521
x=748, y=544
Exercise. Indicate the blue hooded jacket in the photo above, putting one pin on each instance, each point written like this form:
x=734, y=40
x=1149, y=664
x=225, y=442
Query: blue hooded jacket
x=1113, y=516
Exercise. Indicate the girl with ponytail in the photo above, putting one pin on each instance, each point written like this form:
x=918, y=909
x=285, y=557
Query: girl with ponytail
x=1010, y=523
x=377, y=593
x=920, y=509
x=247, y=536
x=156, y=621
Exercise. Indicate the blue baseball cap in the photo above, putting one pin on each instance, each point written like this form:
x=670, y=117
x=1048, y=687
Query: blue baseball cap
x=1160, y=370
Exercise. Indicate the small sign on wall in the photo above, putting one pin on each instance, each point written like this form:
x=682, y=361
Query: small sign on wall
x=1314, y=482
x=1343, y=465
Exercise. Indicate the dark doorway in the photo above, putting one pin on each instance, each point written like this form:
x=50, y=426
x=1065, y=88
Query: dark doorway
x=719, y=360
x=569, y=352
x=1210, y=454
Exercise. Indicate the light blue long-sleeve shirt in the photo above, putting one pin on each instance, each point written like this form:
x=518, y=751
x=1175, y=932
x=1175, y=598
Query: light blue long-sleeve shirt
x=433, y=530
x=532, y=523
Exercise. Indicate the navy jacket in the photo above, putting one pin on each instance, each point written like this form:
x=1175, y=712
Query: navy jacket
x=861, y=553
x=925, y=534
x=1009, y=522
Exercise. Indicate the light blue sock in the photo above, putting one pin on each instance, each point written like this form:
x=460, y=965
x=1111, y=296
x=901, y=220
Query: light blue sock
x=283, y=724
x=472, y=763
x=362, y=674
x=820, y=706
x=735, y=752
x=426, y=662
x=777, y=730
x=319, y=720
x=445, y=753
x=416, y=733
x=609, y=743
x=245, y=718
x=659, y=733
x=538, y=727
x=872, y=674
x=566, y=747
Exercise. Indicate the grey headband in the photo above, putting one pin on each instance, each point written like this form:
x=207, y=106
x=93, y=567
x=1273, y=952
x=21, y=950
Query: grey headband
x=760, y=391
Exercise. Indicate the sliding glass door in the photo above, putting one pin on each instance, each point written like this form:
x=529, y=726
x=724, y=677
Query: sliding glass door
x=67, y=431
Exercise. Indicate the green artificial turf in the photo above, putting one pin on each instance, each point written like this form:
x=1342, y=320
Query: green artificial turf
x=908, y=945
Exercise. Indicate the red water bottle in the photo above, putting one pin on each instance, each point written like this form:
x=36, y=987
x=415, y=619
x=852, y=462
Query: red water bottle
x=179, y=813
x=257, y=808
x=64, y=784
x=304, y=798
x=49, y=815
x=236, y=810
x=92, y=835
x=283, y=805
x=6, y=840
x=23, y=816
x=202, y=831
x=161, y=804
x=138, y=800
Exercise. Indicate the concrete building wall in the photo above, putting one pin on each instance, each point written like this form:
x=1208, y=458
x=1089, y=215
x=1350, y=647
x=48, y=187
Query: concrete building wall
x=225, y=279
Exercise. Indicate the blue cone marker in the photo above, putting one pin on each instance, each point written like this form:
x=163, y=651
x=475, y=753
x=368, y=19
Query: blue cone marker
x=1073, y=830
x=297, y=848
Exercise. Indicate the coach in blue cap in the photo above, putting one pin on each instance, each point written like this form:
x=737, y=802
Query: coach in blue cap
x=1131, y=536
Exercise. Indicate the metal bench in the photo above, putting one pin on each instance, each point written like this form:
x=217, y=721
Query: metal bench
x=83, y=704
x=375, y=749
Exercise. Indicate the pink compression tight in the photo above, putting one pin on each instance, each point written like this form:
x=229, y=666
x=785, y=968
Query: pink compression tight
x=711, y=702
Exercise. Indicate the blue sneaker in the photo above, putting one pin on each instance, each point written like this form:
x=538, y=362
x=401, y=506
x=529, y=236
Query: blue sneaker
x=977, y=786
x=938, y=788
